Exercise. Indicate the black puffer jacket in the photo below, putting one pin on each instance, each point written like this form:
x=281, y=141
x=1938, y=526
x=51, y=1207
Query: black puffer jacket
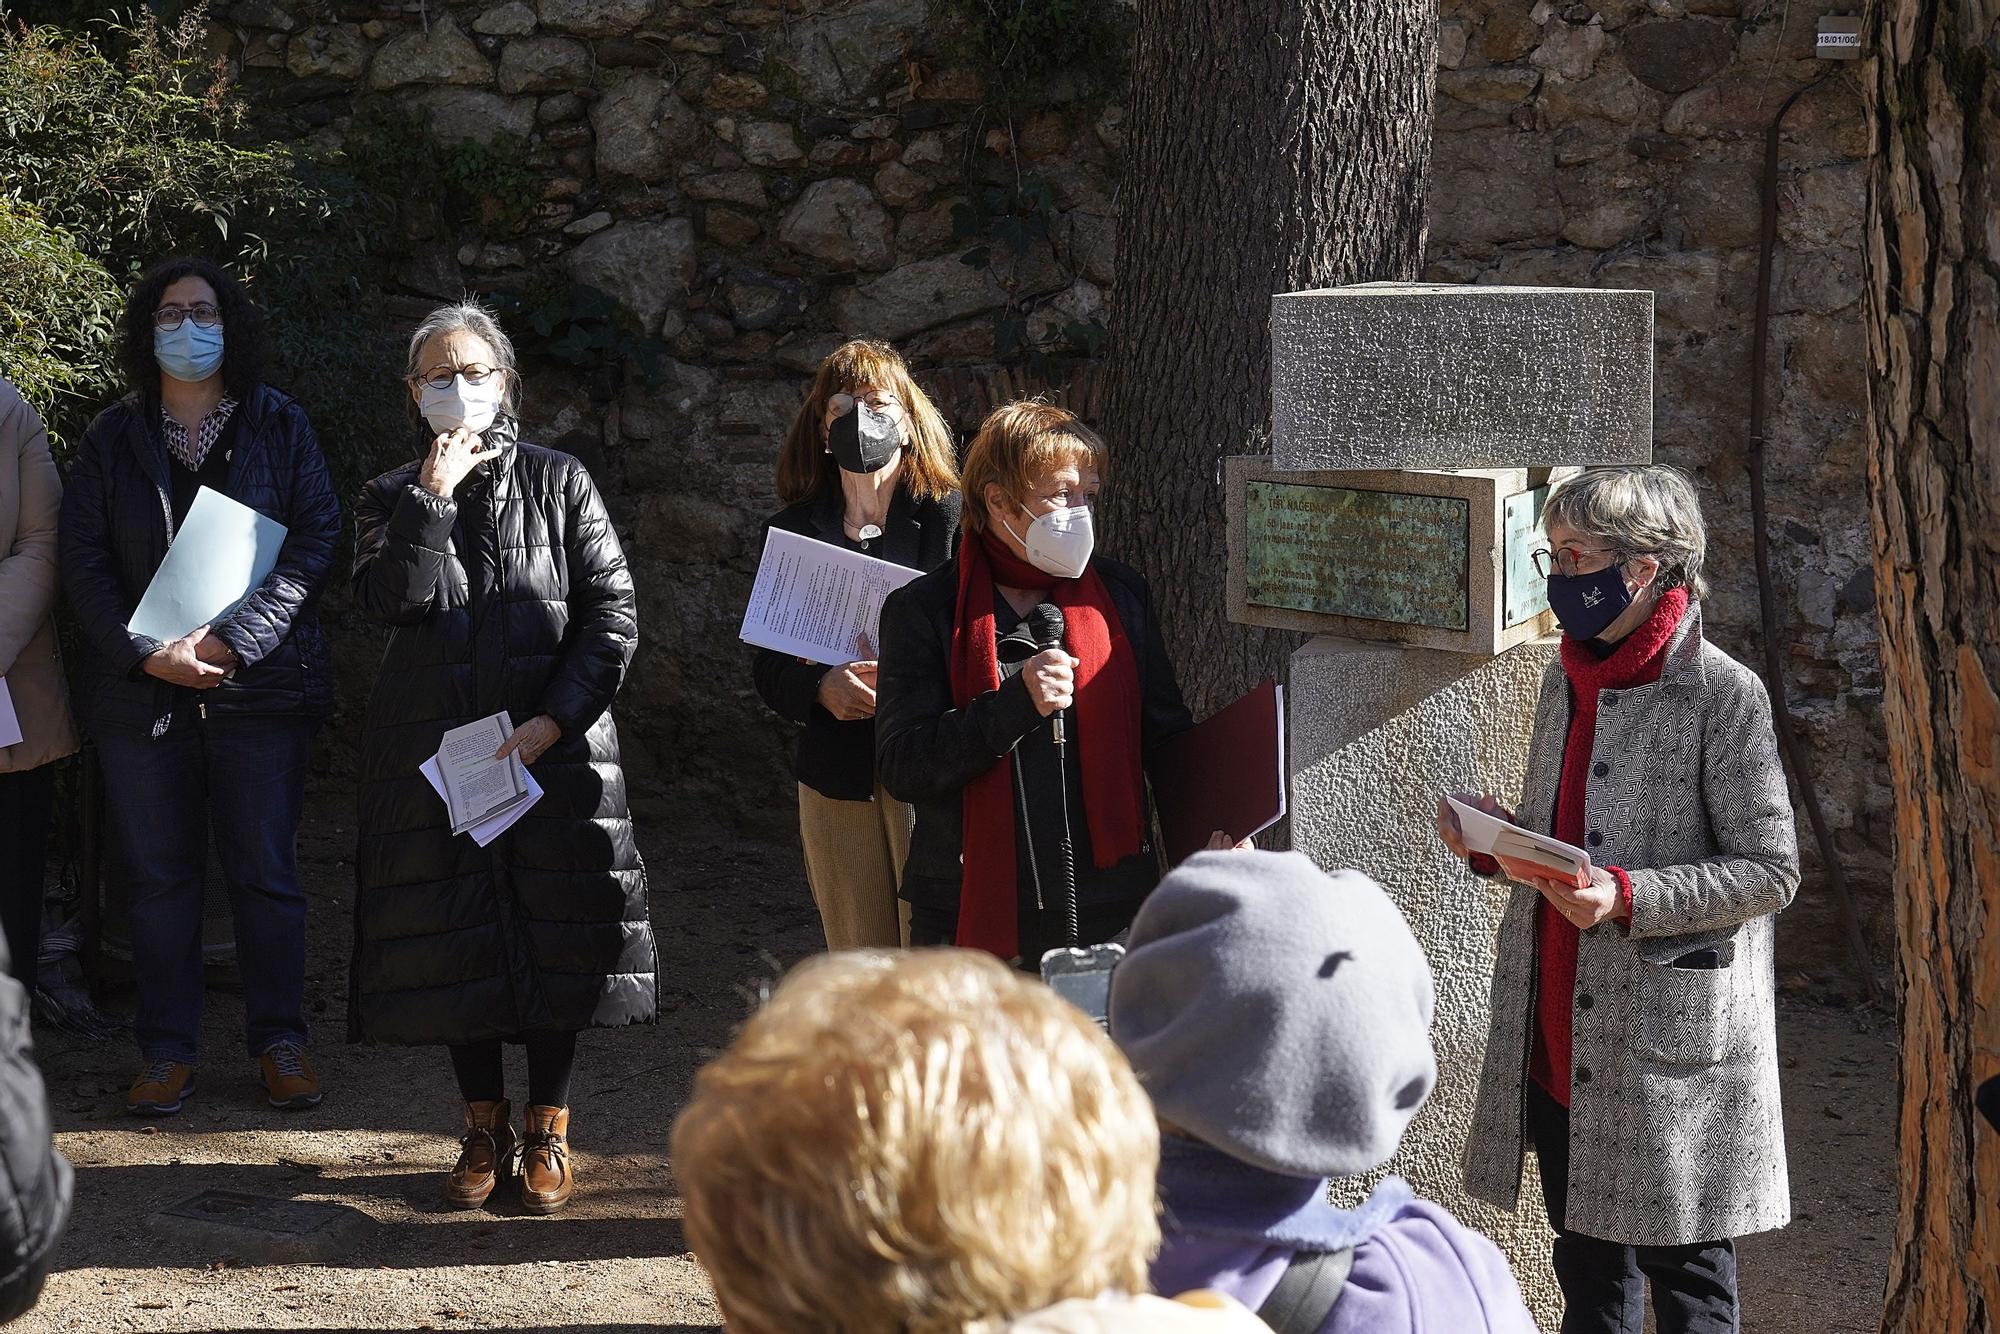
x=35, y=1180
x=117, y=522
x=513, y=595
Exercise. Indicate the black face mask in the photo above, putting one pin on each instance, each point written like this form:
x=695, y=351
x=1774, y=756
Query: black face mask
x=1586, y=604
x=864, y=440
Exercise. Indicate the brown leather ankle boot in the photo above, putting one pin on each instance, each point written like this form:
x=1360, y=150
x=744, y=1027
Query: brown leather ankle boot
x=546, y=1181
x=483, y=1155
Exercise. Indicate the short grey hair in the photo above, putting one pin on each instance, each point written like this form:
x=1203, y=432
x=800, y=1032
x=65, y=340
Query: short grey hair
x=1639, y=509
x=477, y=320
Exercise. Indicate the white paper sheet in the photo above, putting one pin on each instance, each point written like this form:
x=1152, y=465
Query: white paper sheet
x=10, y=724
x=818, y=601
x=1284, y=770
x=222, y=552
x=478, y=787
x=482, y=834
x=1480, y=830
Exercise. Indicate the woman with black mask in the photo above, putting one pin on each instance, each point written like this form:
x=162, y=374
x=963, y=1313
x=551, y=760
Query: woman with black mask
x=867, y=465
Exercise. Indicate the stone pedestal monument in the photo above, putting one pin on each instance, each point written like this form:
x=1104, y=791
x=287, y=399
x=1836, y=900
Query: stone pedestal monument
x=1416, y=431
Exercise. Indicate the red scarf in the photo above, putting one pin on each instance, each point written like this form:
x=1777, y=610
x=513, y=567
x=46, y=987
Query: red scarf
x=1105, y=724
x=1638, y=660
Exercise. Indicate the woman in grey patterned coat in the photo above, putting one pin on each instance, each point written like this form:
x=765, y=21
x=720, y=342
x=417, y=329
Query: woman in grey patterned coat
x=1634, y=1042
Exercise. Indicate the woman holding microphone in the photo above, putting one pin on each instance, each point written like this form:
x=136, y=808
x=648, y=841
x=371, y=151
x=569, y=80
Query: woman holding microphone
x=977, y=659
x=867, y=465
x=1634, y=1041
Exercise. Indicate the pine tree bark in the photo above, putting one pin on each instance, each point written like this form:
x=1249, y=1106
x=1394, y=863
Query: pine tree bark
x=1272, y=145
x=1933, y=290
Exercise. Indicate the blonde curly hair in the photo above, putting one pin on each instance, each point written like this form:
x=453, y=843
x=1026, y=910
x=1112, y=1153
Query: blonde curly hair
x=915, y=1141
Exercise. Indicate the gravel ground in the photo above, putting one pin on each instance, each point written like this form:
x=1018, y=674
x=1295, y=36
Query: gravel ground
x=729, y=919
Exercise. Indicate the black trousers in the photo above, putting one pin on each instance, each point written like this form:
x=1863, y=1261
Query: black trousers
x=1604, y=1282
x=482, y=1071
x=27, y=806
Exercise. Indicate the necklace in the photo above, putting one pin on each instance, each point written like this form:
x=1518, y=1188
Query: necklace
x=864, y=532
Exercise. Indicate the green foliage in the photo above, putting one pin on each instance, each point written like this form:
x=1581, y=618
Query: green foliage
x=106, y=165
x=490, y=183
x=126, y=145
x=141, y=157
x=58, y=311
x=1020, y=46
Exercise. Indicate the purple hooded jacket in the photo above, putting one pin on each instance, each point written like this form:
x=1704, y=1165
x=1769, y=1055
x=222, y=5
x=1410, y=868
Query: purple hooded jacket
x=1233, y=1227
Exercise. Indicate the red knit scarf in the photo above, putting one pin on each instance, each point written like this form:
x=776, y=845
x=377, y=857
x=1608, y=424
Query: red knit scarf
x=1106, y=727
x=1638, y=660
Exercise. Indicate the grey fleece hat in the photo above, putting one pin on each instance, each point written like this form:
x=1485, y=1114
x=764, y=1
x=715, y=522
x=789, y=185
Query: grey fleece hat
x=1277, y=1013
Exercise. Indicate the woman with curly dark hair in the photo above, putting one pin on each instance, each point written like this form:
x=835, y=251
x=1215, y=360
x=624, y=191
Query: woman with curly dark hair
x=210, y=732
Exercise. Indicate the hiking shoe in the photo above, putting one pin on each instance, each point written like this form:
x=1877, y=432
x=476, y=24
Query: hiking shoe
x=485, y=1154
x=546, y=1179
x=289, y=1079
x=160, y=1089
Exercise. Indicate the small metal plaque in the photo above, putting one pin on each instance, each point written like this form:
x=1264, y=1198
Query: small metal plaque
x=1524, y=593
x=1370, y=555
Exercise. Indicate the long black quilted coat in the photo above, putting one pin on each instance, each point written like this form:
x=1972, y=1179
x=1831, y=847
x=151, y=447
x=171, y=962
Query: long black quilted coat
x=117, y=521
x=512, y=595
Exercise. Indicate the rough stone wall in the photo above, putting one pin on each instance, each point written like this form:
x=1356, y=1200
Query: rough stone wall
x=753, y=179
x=1621, y=144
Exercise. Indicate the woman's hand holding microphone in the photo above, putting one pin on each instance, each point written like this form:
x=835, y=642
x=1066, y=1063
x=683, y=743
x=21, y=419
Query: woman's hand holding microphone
x=1051, y=679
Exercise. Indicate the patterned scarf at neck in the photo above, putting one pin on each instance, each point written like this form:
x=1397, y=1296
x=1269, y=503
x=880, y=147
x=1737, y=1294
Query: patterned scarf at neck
x=192, y=453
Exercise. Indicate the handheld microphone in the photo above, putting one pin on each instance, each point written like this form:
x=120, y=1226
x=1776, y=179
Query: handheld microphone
x=1045, y=622
x=1048, y=626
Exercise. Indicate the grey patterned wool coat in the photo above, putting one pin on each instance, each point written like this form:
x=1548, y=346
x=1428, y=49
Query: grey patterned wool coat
x=1675, y=1134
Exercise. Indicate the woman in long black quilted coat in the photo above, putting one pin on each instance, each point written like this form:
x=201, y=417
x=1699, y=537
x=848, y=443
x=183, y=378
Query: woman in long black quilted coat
x=497, y=567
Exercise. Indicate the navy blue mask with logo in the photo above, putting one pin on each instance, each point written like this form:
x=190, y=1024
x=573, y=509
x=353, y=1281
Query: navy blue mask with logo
x=1587, y=604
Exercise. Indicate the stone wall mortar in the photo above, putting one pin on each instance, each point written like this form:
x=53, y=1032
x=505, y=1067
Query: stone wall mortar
x=754, y=179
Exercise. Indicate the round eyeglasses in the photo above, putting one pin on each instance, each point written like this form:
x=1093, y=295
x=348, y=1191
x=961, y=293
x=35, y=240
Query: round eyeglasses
x=440, y=377
x=168, y=318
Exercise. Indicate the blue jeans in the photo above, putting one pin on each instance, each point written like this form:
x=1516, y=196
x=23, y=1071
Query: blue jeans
x=244, y=778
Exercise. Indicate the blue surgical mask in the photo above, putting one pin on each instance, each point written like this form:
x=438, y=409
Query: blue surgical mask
x=1587, y=604
x=189, y=353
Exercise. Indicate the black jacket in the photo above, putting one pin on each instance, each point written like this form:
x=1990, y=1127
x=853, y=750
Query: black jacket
x=835, y=758
x=117, y=522
x=927, y=751
x=513, y=596
x=35, y=1181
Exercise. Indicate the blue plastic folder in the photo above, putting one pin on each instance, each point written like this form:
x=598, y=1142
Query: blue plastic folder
x=222, y=553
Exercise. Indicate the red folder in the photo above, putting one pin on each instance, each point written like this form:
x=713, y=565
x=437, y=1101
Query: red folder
x=1227, y=773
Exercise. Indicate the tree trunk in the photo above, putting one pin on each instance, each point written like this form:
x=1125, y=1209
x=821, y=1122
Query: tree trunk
x=1273, y=145
x=1934, y=479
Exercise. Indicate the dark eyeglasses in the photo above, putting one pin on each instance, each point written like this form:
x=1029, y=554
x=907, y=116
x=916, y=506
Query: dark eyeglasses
x=1569, y=560
x=440, y=377
x=168, y=318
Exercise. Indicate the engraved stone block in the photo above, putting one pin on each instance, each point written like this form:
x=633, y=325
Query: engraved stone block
x=1433, y=559
x=1403, y=375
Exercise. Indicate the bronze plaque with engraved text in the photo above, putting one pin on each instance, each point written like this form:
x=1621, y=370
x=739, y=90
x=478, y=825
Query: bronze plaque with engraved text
x=1372, y=555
